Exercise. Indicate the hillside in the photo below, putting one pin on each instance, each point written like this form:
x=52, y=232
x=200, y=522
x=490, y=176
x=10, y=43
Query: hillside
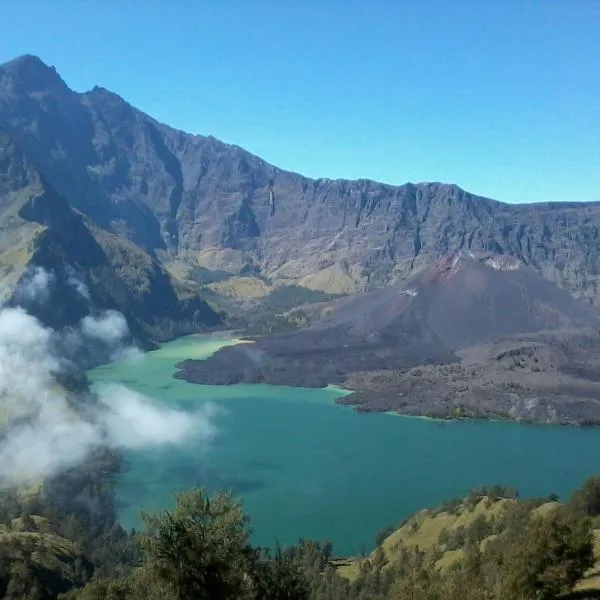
x=487, y=545
x=443, y=285
x=447, y=534
x=193, y=201
x=465, y=300
x=443, y=532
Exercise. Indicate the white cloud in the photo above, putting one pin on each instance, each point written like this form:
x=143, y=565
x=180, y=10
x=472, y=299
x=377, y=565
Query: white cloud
x=110, y=327
x=77, y=284
x=35, y=285
x=132, y=421
x=26, y=362
x=40, y=434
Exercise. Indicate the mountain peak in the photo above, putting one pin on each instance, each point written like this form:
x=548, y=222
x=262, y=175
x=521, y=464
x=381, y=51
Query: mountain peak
x=29, y=73
x=104, y=96
x=459, y=261
x=26, y=59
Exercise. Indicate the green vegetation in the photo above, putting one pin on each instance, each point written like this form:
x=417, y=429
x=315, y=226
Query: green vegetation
x=272, y=324
x=490, y=545
x=483, y=547
x=204, y=276
x=287, y=297
x=276, y=310
x=276, y=313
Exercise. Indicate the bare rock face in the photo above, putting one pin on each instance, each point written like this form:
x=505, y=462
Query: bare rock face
x=203, y=202
x=461, y=304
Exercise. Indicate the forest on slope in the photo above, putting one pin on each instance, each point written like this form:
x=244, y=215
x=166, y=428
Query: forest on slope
x=64, y=542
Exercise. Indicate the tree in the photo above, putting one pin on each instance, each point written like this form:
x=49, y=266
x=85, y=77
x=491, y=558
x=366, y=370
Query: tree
x=548, y=558
x=586, y=500
x=280, y=578
x=119, y=589
x=201, y=549
x=478, y=530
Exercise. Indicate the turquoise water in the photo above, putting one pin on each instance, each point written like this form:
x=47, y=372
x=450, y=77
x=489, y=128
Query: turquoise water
x=306, y=467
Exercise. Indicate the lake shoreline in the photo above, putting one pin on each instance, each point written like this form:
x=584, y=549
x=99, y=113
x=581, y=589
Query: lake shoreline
x=361, y=400
x=229, y=366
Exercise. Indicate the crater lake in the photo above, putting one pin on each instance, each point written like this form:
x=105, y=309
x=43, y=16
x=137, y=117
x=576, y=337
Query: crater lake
x=307, y=467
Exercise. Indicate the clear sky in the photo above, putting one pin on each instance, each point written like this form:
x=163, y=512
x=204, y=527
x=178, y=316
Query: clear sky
x=499, y=96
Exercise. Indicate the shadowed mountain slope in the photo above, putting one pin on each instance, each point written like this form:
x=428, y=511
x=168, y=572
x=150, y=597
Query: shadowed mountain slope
x=87, y=268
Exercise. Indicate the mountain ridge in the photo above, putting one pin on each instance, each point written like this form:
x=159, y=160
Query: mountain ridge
x=193, y=201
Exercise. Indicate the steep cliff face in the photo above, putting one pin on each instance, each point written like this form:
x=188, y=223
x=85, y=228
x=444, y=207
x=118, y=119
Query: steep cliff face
x=198, y=201
x=87, y=268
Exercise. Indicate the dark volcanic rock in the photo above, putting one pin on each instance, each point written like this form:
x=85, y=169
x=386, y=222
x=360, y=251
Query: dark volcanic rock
x=542, y=377
x=309, y=359
x=464, y=300
x=470, y=336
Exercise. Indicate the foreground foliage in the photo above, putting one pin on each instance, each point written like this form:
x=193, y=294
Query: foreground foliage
x=201, y=550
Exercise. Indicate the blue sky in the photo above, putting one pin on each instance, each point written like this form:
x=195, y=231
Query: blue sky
x=499, y=96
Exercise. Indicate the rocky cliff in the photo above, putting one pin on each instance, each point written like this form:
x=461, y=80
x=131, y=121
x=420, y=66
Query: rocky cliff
x=191, y=201
x=84, y=267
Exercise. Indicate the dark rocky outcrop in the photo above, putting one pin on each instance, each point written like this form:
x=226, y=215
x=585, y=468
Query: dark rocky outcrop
x=464, y=300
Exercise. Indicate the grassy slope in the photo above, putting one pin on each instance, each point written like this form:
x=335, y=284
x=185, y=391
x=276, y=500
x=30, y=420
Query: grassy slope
x=17, y=238
x=335, y=279
x=240, y=288
x=48, y=551
x=423, y=530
